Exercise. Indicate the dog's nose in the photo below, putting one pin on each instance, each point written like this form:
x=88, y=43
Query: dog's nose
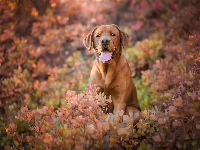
x=105, y=41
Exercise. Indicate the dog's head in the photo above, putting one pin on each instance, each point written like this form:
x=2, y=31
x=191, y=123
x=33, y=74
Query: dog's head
x=107, y=41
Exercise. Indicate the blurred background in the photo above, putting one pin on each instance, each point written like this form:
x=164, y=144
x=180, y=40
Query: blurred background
x=42, y=54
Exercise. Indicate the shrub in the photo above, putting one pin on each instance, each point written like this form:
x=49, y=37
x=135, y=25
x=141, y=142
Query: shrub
x=80, y=124
x=141, y=57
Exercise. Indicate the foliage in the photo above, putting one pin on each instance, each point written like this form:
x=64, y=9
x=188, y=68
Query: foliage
x=32, y=71
x=42, y=58
x=141, y=57
x=80, y=124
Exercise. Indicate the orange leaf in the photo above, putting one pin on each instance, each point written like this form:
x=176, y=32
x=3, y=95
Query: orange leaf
x=122, y=131
x=106, y=126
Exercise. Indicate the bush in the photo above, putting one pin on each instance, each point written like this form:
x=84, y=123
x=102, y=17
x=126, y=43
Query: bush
x=141, y=57
x=80, y=124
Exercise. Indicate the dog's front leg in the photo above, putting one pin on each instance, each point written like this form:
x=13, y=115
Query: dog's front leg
x=119, y=102
x=118, y=98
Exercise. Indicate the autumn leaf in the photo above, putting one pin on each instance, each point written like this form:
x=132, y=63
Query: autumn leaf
x=34, y=12
x=122, y=131
x=178, y=102
x=161, y=121
x=172, y=109
x=48, y=118
x=106, y=126
x=156, y=138
x=121, y=112
x=176, y=123
x=127, y=119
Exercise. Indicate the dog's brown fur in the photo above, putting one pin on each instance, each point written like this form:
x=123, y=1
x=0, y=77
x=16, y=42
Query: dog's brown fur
x=113, y=77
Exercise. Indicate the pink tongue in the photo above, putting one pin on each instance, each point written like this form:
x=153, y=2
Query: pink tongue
x=105, y=56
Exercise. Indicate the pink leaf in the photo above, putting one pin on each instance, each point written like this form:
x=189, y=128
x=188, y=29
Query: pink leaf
x=157, y=138
x=172, y=109
x=161, y=121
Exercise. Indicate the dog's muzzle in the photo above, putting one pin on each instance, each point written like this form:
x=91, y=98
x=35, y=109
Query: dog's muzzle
x=105, y=55
x=105, y=43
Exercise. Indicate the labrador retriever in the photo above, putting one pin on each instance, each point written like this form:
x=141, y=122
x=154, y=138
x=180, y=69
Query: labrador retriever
x=111, y=72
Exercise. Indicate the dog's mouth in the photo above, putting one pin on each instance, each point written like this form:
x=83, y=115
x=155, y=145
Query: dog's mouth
x=106, y=56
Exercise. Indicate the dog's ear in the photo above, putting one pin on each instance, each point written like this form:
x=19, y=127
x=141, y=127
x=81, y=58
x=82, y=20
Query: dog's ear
x=88, y=41
x=125, y=38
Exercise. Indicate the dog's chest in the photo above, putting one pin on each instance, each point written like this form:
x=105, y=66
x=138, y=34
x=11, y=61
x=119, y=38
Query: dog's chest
x=107, y=73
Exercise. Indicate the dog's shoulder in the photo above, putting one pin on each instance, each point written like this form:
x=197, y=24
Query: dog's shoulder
x=122, y=62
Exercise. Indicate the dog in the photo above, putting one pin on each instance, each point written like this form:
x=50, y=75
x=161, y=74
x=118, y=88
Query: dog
x=110, y=71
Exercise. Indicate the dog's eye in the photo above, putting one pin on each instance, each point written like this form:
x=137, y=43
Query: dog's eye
x=98, y=35
x=112, y=34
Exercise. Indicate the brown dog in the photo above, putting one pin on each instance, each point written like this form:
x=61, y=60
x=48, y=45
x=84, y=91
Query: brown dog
x=111, y=72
